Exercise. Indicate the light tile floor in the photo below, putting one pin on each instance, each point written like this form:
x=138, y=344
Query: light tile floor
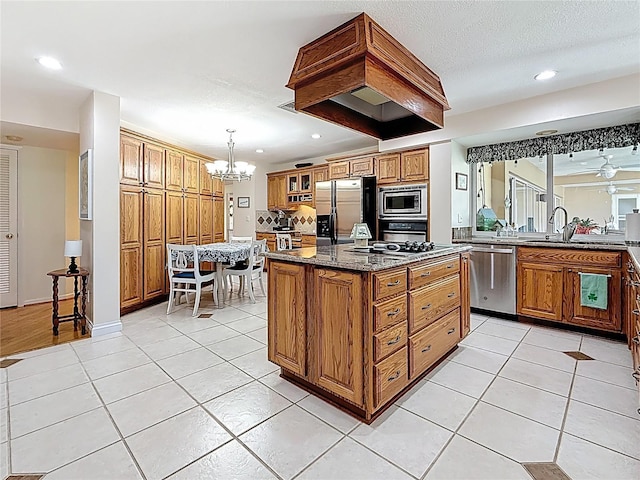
x=178, y=397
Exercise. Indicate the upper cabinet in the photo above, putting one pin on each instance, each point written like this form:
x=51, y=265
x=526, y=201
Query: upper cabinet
x=141, y=163
x=174, y=172
x=191, y=174
x=410, y=166
x=358, y=167
x=277, y=192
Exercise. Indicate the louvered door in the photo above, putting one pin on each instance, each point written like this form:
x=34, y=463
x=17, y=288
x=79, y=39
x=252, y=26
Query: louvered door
x=8, y=226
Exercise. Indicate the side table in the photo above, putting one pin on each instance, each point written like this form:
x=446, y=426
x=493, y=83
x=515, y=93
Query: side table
x=76, y=315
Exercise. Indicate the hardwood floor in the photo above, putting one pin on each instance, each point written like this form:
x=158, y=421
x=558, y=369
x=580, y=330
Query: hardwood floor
x=28, y=328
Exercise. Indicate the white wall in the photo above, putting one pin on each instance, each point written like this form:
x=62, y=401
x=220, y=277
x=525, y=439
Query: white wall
x=100, y=131
x=616, y=94
x=42, y=223
x=460, y=199
x=440, y=195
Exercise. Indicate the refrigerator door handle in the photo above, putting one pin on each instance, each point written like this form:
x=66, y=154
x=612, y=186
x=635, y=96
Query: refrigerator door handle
x=332, y=228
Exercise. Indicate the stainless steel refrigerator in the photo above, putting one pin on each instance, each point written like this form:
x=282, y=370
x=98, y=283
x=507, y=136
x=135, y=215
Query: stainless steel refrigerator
x=340, y=204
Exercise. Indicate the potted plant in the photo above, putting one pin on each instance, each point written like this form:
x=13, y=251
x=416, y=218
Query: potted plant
x=585, y=225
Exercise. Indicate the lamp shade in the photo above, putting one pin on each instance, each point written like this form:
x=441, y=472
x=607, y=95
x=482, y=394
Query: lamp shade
x=360, y=231
x=73, y=248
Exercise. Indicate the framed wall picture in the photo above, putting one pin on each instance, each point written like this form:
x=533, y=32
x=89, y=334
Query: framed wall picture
x=243, y=202
x=461, y=181
x=85, y=185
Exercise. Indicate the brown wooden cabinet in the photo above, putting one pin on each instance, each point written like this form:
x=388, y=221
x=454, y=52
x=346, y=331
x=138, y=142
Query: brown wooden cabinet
x=277, y=192
x=576, y=314
x=217, y=187
x=338, y=333
x=218, y=219
x=539, y=290
x=338, y=170
x=174, y=217
x=270, y=238
x=191, y=174
x=191, y=219
x=174, y=170
x=347, y=335
x=142, y=244
x=412, y=166
x=357, y=167
x=465, y=294
x=141, y=163
x=206, y=182
x=154, y=244
x=206, y=219
x=131, y=245
x=388, y=168
x=548, y=286
x=287, y=329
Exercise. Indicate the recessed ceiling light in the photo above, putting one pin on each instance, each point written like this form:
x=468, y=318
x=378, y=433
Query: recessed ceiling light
x=259, y=150
x=316, y=136
x=13, y=138
x=546, y=132
x=49, y=62
x=546, y=75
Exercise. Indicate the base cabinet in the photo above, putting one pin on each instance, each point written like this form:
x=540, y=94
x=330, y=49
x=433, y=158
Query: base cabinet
x=338, y=333
x=351, y=341
x=287, y=313
x=548, y=286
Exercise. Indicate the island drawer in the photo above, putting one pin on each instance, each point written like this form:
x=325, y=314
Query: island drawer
x=388, y=283
x=389, y=313
x=426, y=347
x=422, y=274
x=389, y=377
x=431, y=302
x=389, y=340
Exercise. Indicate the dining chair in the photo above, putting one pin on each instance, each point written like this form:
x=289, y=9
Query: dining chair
x=184, y=273
x=229, y=285
x=250, y=271
x=283, y=241
x=241, y=239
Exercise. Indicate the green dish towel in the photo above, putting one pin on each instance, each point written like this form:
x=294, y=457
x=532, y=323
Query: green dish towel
x=593, y=290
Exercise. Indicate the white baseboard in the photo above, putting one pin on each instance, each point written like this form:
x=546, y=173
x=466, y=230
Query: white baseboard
x=103, y=328
x=35, y=301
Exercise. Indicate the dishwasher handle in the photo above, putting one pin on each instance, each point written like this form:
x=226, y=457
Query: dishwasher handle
x=491, y=250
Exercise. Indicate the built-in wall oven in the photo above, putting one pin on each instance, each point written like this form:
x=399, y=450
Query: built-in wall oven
x=407, y=202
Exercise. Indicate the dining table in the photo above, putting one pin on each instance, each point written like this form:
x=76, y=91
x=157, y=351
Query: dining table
x=222, y=253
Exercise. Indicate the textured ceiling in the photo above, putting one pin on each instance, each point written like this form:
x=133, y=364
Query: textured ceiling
x=189, y=70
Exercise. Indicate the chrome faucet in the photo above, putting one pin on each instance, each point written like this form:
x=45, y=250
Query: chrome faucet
x=569, y=228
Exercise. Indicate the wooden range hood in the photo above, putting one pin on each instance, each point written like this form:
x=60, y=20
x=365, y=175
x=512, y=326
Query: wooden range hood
x=360, y=77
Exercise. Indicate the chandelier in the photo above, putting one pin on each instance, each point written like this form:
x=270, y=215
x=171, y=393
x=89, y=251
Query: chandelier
x=230, y=170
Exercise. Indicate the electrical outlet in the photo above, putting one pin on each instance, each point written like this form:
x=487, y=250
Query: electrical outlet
x=459, y=218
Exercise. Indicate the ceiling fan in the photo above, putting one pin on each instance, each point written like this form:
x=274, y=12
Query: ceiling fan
x=607, y=169
x=611, y=189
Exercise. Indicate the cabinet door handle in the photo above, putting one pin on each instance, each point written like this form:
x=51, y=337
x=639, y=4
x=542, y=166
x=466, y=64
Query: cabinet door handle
x=426, y=349
x=393, y=284
x=451, y=331
x=635, y=311
x=395, y=312
x=425, y=274
x=636, y=377
x=393, y=377
x=450, y=266
x=428, y=305
x=636, y=339
x=393, y=342
x=451, y=295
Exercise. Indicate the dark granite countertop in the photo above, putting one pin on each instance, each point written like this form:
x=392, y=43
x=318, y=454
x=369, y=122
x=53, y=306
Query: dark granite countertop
x=343, y=257
x=584, y=242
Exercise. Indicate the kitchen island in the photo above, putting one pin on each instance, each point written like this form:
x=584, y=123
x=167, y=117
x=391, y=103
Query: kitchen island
x=360, y=329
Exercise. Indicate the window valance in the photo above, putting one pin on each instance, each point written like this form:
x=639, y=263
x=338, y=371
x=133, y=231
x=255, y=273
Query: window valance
x=609, y=137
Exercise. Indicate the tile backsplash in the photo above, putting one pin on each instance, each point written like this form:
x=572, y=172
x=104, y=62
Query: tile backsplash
x=303, y=220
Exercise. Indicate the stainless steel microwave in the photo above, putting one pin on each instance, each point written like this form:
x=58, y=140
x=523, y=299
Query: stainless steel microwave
x=403, y=202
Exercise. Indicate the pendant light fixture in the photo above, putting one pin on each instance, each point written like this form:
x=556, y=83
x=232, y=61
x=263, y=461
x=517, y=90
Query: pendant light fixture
x=230, y=170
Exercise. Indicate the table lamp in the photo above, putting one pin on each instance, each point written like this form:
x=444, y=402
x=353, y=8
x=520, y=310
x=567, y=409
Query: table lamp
x=361, y=234
x=73, y=249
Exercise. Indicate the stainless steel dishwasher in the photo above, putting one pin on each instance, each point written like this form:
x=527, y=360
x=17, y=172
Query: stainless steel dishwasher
x=493, y=278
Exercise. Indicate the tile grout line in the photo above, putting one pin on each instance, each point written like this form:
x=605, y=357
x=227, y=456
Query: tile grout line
x=464, y=420
x=566, y=409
